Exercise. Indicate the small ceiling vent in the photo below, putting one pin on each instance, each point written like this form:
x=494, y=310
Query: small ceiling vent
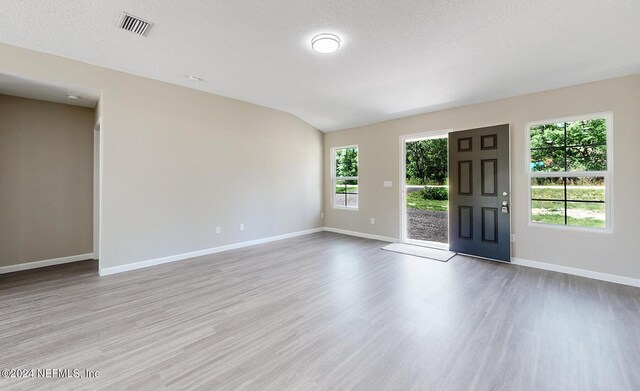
x=134, y=24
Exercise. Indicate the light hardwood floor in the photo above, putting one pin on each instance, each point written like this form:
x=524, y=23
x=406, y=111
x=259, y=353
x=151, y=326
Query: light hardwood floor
x=321, y=312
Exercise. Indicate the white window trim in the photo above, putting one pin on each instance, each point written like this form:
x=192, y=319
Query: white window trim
x=608, y=174
x=334, y=178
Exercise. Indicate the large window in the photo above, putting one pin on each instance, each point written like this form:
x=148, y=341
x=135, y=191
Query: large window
x=569, y=171
x=345, y=177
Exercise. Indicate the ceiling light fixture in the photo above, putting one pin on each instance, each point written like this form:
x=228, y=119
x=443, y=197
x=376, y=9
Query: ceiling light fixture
x=194, y=78
x=325, y=43
x=73, y=97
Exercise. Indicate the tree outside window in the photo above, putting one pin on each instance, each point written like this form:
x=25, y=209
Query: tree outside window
x=569, y=172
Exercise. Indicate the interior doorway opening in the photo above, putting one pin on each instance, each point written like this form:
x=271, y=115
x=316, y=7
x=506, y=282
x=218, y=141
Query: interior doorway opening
x=48, y=140
x=425, y=189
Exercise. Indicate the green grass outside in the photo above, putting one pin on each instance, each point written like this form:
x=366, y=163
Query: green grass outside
x=557, y=192
x=558, y=206
x=415, y=201
x=350, y=189
x=572, y=221
x=552, y=211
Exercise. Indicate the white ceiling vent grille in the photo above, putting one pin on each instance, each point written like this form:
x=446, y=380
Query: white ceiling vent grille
x=134, y=24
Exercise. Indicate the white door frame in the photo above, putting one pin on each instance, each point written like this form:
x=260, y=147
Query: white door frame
x=403, y=191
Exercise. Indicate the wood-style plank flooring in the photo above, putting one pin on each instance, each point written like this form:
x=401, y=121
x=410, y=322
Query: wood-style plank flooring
x=320, y=312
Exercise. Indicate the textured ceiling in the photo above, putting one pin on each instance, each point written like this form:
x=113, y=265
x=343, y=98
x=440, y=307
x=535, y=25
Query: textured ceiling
x=47, y=90
x=398, y=57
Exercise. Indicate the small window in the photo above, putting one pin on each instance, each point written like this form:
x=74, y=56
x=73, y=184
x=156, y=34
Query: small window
x=569, y=172
x=345, y=177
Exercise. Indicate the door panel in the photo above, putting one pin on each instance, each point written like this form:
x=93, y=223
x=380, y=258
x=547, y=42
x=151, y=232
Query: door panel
x=489, y=177
x=465, y=177
x=465, y=230
x=479, y=184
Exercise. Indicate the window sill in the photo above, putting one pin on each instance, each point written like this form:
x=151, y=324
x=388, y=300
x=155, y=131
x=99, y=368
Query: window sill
x=606, y=230
x=350, y=208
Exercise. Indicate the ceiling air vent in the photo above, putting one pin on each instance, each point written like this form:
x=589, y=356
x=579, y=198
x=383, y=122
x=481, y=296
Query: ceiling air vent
x=134, y=24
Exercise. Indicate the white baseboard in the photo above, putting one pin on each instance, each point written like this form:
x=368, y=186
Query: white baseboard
x=46, y=262
x=361, y=235
x=179, y=257
x=521, y=262
x=577, y=272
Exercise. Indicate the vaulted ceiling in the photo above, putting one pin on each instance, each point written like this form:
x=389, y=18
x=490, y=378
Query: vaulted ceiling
x=397, y=57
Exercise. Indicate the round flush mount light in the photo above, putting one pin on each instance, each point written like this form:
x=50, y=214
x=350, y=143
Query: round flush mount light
x=73, y=97
x=325, y=43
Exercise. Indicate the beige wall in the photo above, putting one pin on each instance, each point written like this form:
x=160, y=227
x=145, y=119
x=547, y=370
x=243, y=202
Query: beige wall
x=176, y=163
x=614, y=253
x=46, y=180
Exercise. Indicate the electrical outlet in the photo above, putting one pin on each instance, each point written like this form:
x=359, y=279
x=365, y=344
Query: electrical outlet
x=217, y=230
x=241, y=227
x=513, y=238
x=373, y=221
x=322, y=215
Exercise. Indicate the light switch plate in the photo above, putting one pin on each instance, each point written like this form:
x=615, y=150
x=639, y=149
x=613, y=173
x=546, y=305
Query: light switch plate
x=387, y=184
